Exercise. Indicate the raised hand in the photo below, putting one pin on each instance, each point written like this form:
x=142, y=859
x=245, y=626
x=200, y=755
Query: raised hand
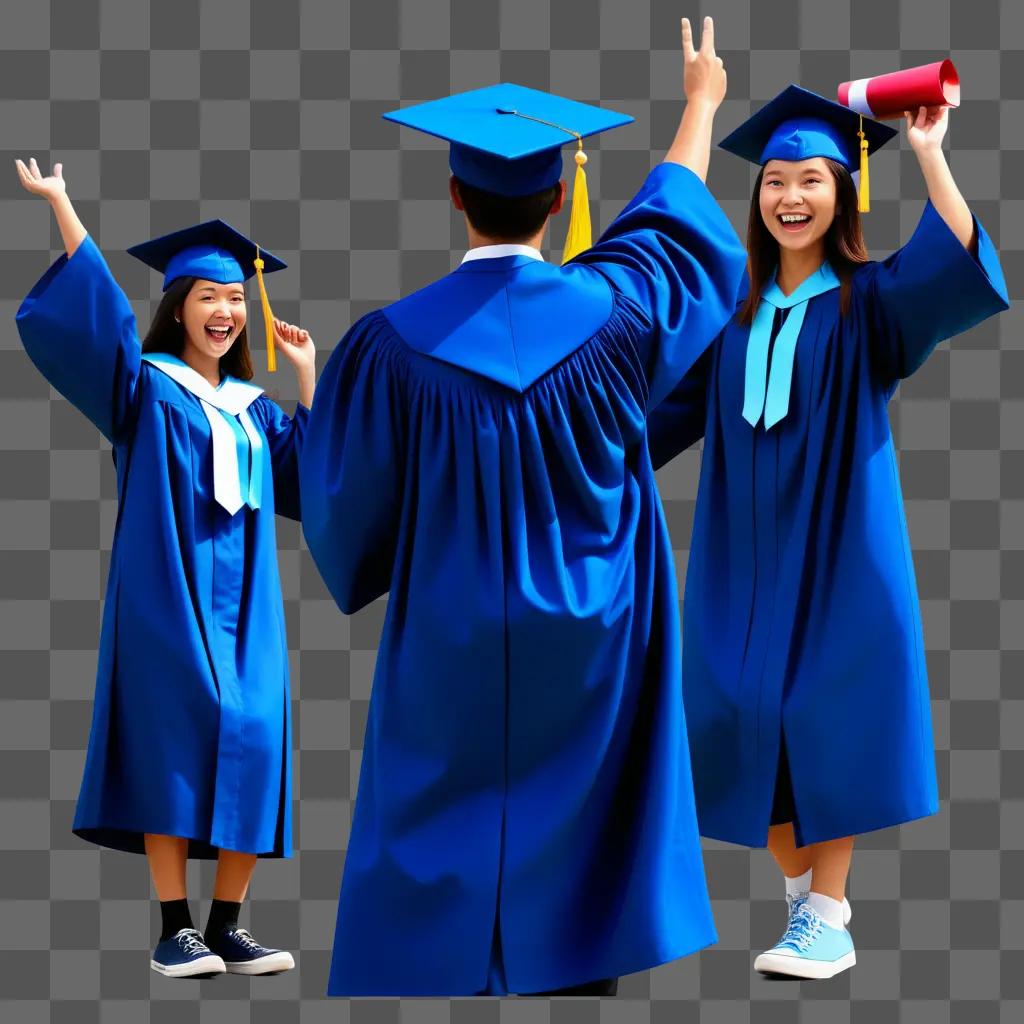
x=34, y=181
x=926, y=128
x=703, y=71
x=295, y=345
x=52, y=188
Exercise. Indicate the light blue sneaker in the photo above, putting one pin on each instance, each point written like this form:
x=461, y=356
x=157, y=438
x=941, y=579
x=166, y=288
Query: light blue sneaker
x=809, y=948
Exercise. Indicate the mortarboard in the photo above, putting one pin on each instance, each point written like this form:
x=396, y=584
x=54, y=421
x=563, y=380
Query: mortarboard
x=213, y=251
x=508, y=139
x=799, y=124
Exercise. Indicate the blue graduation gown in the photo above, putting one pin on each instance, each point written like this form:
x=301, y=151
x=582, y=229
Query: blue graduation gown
x=525, y=816
x=190, y=733
x=801, y=615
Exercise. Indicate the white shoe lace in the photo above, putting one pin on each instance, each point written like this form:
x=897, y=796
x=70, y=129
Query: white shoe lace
x=191, y=942
x=245, y=937
x=804, y=927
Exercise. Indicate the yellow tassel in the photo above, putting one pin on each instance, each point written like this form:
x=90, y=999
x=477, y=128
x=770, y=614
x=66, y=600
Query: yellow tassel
x=579, y=238
x=268, y=317
x=864, y=192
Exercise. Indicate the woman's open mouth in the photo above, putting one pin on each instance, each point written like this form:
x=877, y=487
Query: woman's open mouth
x=794, y=222
x=218, y=333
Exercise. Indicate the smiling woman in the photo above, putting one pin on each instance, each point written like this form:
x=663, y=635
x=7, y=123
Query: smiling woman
x=807, y=704
x=190, y=747
x=203, y=323
x=808, y=209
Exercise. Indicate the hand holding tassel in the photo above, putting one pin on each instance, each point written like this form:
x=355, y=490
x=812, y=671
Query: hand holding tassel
x=296, y=345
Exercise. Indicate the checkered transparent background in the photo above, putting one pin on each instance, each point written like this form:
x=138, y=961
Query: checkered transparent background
x=268, y=114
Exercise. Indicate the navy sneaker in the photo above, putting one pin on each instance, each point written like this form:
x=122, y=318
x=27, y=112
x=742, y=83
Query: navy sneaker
x=242, y=954
x=185, y=955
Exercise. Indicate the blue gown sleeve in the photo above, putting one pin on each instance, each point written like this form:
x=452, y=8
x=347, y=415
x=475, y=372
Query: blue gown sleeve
x=351, y=465
x=929, y=290
x=678, y=421
x=284, y=441
x=78, y=328
x=673, y=252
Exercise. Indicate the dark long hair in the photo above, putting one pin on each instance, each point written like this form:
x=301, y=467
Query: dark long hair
x=166, y=334
x=844, y=243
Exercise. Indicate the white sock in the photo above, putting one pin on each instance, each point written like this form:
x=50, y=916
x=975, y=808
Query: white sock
x=831, y=910
x=798, y=885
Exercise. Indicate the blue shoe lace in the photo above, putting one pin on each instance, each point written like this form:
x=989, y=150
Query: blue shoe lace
x=804, y=927
x=190, y=940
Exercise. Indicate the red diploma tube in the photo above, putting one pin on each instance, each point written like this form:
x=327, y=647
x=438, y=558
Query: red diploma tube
x=885, y=97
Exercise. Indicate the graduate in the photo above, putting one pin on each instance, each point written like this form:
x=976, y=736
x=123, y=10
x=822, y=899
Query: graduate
x=804, y=679
x=524, y=821
x=190, y=749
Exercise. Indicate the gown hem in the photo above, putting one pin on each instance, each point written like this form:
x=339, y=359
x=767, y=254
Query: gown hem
x=631, y=966
x=128, y=840
x=811, y=836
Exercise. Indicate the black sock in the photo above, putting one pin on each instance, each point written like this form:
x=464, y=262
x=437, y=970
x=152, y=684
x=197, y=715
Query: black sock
x=174, y=915
x=223, y=914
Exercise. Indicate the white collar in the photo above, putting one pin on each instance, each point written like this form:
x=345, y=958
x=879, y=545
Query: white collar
x=493, y=252
x=232, y=396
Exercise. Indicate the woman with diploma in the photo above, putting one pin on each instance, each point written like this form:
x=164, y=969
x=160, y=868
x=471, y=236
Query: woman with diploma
x=189, y=752
x=804, y=678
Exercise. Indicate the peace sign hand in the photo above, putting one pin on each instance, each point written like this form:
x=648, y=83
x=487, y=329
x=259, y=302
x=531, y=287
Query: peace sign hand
x=32, y=179
x=703, y=71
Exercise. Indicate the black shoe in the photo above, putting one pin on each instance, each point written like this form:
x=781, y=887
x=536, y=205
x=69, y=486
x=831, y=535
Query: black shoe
x=242, y=954
x=185, y=955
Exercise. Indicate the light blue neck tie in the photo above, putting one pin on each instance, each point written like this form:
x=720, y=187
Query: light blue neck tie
x=248, y=449
x=237, y=444
x=769, y=392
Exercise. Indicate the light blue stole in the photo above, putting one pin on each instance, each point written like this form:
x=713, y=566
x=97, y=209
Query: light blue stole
x=769, y=392
x=237, y=444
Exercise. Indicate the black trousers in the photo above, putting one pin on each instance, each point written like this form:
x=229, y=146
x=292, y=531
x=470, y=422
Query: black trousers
x=782, y=804
x=604, y=987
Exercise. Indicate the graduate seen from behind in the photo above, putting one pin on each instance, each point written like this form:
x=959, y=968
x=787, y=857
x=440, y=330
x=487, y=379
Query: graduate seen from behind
x=189, y=753
x=524, y=821
x=804, y=677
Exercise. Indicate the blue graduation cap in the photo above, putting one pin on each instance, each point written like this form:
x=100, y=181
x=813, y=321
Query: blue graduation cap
x=508, y=139
x=799, y=124
x=213, y=251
